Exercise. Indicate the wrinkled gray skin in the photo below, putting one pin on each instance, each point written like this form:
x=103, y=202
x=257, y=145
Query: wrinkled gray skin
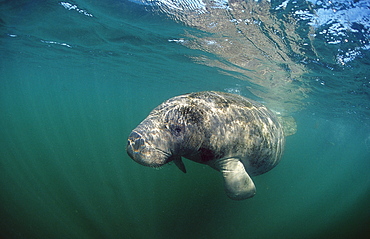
x=232, y=134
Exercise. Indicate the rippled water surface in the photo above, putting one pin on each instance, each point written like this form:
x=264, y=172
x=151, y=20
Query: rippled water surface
x=78, y=76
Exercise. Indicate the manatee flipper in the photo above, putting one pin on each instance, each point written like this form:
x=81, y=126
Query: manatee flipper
x=178, y=162
x=238, y=184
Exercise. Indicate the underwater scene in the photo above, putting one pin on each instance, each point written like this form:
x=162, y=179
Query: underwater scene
x=76, y=77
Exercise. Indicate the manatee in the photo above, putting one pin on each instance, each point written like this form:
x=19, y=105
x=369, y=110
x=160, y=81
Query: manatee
x=232, y=134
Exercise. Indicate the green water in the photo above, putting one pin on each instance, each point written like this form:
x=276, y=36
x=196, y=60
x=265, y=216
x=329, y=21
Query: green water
x=72, y=87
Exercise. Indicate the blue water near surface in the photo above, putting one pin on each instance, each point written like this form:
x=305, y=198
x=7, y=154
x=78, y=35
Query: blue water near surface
x=77, y=76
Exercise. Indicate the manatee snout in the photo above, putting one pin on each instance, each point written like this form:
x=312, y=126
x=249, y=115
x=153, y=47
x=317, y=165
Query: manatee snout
x=144, y=153
x=134, y=144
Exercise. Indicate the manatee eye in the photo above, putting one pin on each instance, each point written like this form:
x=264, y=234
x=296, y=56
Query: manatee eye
x=177, y=129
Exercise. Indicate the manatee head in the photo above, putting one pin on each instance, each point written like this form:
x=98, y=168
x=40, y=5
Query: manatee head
x=171, y=130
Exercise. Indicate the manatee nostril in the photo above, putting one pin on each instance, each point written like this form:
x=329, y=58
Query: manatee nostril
x=137, y=143
x=134, y=135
